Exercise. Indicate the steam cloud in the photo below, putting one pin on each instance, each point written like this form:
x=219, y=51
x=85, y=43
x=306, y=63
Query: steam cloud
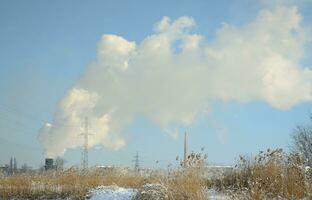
x=172, y=75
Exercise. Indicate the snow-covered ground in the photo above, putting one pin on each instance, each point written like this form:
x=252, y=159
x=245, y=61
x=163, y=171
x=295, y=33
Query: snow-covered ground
x=212, y=194
x=119, y=193
x=112, y=193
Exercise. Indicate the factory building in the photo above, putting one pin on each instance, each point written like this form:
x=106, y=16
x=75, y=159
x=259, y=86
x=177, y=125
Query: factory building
x=49, y=164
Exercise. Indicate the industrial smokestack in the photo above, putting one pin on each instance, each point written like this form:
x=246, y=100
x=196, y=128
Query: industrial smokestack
x=14, y=165
x=11, y=165
x=49, y=164
x=185, y=149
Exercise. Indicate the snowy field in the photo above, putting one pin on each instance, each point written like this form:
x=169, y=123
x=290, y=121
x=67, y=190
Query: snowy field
x=112, y=193
x=119, y=193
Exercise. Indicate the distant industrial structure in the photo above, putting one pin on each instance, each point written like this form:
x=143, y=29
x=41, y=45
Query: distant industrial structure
x=13, y=165
x=185, y=149
x=56, y=164
x=49, y=164
x=84, y=153
x=12, y=168
x=137, y=162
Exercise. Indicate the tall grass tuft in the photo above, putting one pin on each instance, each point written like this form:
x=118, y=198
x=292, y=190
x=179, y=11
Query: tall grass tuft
x=186, y=182
x=270, y=174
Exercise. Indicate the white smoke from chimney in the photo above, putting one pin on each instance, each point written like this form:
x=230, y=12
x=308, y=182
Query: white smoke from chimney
x=172, y=75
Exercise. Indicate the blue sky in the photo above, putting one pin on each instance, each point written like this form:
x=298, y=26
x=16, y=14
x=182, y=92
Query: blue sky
x=45, y=47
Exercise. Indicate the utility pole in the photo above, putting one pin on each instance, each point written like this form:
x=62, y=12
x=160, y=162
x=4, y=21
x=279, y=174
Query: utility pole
x=84, y=153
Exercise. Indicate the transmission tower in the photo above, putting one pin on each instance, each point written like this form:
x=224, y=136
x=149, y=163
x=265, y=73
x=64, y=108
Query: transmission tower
x=136, y=162
x=84, y=153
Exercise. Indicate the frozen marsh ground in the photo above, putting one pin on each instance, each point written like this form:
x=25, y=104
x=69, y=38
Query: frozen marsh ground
x=119, y=193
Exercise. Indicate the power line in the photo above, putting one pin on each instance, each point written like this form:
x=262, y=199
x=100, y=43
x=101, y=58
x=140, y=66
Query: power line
x=21, y=113
x=17, y=120
x=13, y=110
x=17, y=123
x=19, y=144
x=31, y=117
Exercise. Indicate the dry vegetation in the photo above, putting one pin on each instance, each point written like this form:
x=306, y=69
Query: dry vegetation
x=187, y=181
x=70, y=183
x=180, y=184
x=271, y=174
x=183, y=183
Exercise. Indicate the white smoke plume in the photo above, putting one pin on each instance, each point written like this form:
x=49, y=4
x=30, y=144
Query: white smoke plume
x=173, y=74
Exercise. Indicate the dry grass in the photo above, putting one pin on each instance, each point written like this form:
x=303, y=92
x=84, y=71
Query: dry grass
x=181, y=183
x=271, y=174
x=70, y=183
x=186, y=182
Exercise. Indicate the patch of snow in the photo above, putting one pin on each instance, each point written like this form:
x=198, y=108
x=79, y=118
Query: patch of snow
x=119, y=193
x=215, y=195
x=111, y=193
